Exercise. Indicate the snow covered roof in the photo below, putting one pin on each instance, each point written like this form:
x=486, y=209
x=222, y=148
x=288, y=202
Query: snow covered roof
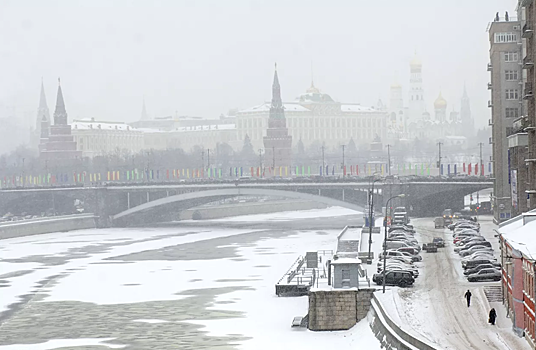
x=521, y=237
x=265, y=107
x=87, y=124
x=357, y=108
x=205, y=127
x=345, y=261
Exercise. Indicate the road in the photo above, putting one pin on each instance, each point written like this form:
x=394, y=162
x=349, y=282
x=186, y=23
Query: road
x=436, y=308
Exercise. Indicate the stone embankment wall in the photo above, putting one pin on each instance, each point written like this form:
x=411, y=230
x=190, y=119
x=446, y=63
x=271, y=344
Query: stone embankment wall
x=47, y=225
x=338, y=309
x=226, y=210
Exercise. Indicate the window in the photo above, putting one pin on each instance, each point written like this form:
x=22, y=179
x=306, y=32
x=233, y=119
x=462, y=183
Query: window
x=511, y=94
x=511, y=57
x=511, y=75
x=512, y=113
x=505, y=37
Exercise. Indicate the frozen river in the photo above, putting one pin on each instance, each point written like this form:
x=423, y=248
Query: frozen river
x=191, y=286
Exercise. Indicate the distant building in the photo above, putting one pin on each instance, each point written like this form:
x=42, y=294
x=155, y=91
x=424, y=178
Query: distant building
x=417, y=104
x=42, y=122
x=60, y=146
x=528, y=25
x=98, y=138
x=314, y=117
x=505, y=51
x=277, y=142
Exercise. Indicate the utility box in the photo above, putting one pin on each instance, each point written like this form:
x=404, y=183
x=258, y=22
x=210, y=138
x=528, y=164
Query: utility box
x=311, y=259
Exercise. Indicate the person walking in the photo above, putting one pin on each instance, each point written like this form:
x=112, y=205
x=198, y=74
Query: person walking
x=468, y=297
x=492, y=316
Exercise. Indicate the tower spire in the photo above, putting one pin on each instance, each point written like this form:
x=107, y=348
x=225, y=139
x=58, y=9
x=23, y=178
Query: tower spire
x=276, y=108
x=144, y=115
x=60, y=114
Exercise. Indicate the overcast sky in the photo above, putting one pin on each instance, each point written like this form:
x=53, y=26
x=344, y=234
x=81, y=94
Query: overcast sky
x=202, y=57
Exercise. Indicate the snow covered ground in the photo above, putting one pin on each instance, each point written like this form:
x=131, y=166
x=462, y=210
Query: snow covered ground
x=167, y=288
x=435, y=309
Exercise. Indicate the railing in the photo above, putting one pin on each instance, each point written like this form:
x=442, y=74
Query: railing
x=490, y=67
x=528, y=62
x=527, y=31
x=490, y=104
x=528, y=93
x=490, y=86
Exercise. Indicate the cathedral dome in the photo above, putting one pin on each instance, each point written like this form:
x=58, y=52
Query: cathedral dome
x=313, y=89
x=440, y=102
x=415, y=62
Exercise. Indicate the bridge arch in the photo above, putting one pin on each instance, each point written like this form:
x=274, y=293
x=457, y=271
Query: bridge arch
x=233, y=192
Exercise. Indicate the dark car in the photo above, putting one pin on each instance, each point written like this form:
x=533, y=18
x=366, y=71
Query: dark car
x=485, y=275
x=394, y=278
x=474, y=263
x=439, y=242
x=480, y=267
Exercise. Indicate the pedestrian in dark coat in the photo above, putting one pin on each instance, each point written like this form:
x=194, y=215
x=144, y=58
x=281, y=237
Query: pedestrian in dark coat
x=492, y=316
x=468, y=297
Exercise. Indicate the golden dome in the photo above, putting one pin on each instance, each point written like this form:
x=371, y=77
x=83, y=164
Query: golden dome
x=415, y=62
x=440, y=102
x=313, y=89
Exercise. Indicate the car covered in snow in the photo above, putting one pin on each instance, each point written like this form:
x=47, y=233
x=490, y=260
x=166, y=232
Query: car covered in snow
x=489, y=274
x=480, y=267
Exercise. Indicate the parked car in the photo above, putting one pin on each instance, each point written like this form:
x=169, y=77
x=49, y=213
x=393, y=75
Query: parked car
x=480, y=267
x=473, y=244
x=475, y=249
x=398, y=265
x=485, y=275
x=409, y=250
x=395, y=253
x=469, y=264
x=394, y=278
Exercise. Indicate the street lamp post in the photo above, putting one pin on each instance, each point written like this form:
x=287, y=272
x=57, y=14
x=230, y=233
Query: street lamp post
x=385, y=238
x=371, y=209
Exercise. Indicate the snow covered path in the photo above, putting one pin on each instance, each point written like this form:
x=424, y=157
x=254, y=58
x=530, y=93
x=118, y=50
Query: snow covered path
x=435, y=307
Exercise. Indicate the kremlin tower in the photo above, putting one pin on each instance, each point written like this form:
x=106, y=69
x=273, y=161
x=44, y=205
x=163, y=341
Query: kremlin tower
x=277, y=142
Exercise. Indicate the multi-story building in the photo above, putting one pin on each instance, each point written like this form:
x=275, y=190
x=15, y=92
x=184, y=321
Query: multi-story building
x=527, y=13
x=315, y=117
x=506, y=106
x=98, y=138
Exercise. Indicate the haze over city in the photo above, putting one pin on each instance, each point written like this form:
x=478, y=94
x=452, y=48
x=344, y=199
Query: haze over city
x=267, y=174
x=202, y=58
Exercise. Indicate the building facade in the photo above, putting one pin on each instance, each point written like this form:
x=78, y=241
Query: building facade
x=98, y=138
x=527, y=15
x=505, y=104
x=314, y=117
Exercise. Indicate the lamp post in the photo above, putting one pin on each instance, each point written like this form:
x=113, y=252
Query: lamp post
x=385, y=238
x=371, y=210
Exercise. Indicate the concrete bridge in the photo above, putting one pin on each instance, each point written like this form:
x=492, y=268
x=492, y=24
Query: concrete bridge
x=122, y=205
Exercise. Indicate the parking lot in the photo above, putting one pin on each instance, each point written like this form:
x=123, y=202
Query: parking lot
x=434, y=306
